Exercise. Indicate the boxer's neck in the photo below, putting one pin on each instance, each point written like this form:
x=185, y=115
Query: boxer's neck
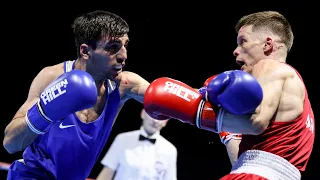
x=80, y=64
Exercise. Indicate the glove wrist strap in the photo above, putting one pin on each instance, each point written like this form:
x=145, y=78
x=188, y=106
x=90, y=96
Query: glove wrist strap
x=206, y=118
x=225, y=137
x=220, y=116
x=36, y=120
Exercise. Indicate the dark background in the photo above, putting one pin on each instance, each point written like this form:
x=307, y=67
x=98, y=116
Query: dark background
x=189, y=42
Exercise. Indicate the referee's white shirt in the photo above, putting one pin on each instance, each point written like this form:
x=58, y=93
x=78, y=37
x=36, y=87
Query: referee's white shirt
x=141, y=160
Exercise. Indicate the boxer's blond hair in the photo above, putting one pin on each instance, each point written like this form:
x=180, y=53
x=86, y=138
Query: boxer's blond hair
x=269, y=20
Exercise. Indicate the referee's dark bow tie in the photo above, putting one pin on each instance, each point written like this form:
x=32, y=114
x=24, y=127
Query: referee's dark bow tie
x=142, y=138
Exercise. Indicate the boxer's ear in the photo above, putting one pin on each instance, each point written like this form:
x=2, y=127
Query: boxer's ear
x=84, y=51
x=268, y=45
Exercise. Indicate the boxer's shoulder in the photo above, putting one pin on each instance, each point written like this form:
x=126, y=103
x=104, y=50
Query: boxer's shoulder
x=53, y=71
x=274, y=68
x=269, y=64
x=46, y=75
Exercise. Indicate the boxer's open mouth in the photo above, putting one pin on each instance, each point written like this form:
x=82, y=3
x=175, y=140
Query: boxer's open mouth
x=240, y=63
x=117, y=68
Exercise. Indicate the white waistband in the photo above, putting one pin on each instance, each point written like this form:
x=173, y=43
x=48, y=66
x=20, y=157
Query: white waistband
x=268, y=165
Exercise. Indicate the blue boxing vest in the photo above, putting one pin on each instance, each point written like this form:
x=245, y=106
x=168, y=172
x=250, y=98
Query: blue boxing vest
x=70, y=149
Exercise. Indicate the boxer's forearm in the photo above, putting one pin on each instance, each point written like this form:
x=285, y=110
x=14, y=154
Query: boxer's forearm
x=239, y=124
x=254, y=124
x=18, y=136
x=233, y=149
x=106, y=174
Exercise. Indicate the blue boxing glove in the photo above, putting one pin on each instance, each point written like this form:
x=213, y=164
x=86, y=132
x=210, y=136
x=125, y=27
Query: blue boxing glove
x=203, y=89
x=69, y=93
x=236, y=91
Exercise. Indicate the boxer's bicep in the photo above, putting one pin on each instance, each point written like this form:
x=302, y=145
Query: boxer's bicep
x=137, y=86
x=39, y=83
x=141, y=89
x=271, y=79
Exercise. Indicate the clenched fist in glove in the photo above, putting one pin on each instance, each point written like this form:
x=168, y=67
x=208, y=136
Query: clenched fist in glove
x=236, y=91
x=166, y=97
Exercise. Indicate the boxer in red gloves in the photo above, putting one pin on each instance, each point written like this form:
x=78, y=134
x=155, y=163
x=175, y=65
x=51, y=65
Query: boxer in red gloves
x=278, y=138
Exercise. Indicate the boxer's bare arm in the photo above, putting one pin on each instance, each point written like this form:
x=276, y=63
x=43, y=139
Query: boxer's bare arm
x=131, y=86
x=17, y=135
x=233, y=149
x=135, y=85
x=106, y=174
x=271, y=76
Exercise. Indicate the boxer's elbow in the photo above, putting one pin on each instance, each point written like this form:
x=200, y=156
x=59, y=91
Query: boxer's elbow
x=258, y=128
x=9, y=150
x=8, y=145
x=259, y=125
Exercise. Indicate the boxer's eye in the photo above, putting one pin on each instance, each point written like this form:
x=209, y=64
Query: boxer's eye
x=113, y=46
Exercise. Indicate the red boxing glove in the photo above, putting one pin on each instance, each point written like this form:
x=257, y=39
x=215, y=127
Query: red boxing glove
x=206, y=83
x=203, y=90
x=168, y=97
x=225, y=137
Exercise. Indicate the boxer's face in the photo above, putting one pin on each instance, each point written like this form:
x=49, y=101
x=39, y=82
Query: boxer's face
x=151, y=125
x=250, y=48
x=109, y=57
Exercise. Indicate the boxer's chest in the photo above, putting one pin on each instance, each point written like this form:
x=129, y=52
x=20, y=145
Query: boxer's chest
x=92, y=114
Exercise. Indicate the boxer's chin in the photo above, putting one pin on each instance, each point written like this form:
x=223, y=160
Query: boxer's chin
x=112, y=78
x=115, y=76
x=243, y=68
